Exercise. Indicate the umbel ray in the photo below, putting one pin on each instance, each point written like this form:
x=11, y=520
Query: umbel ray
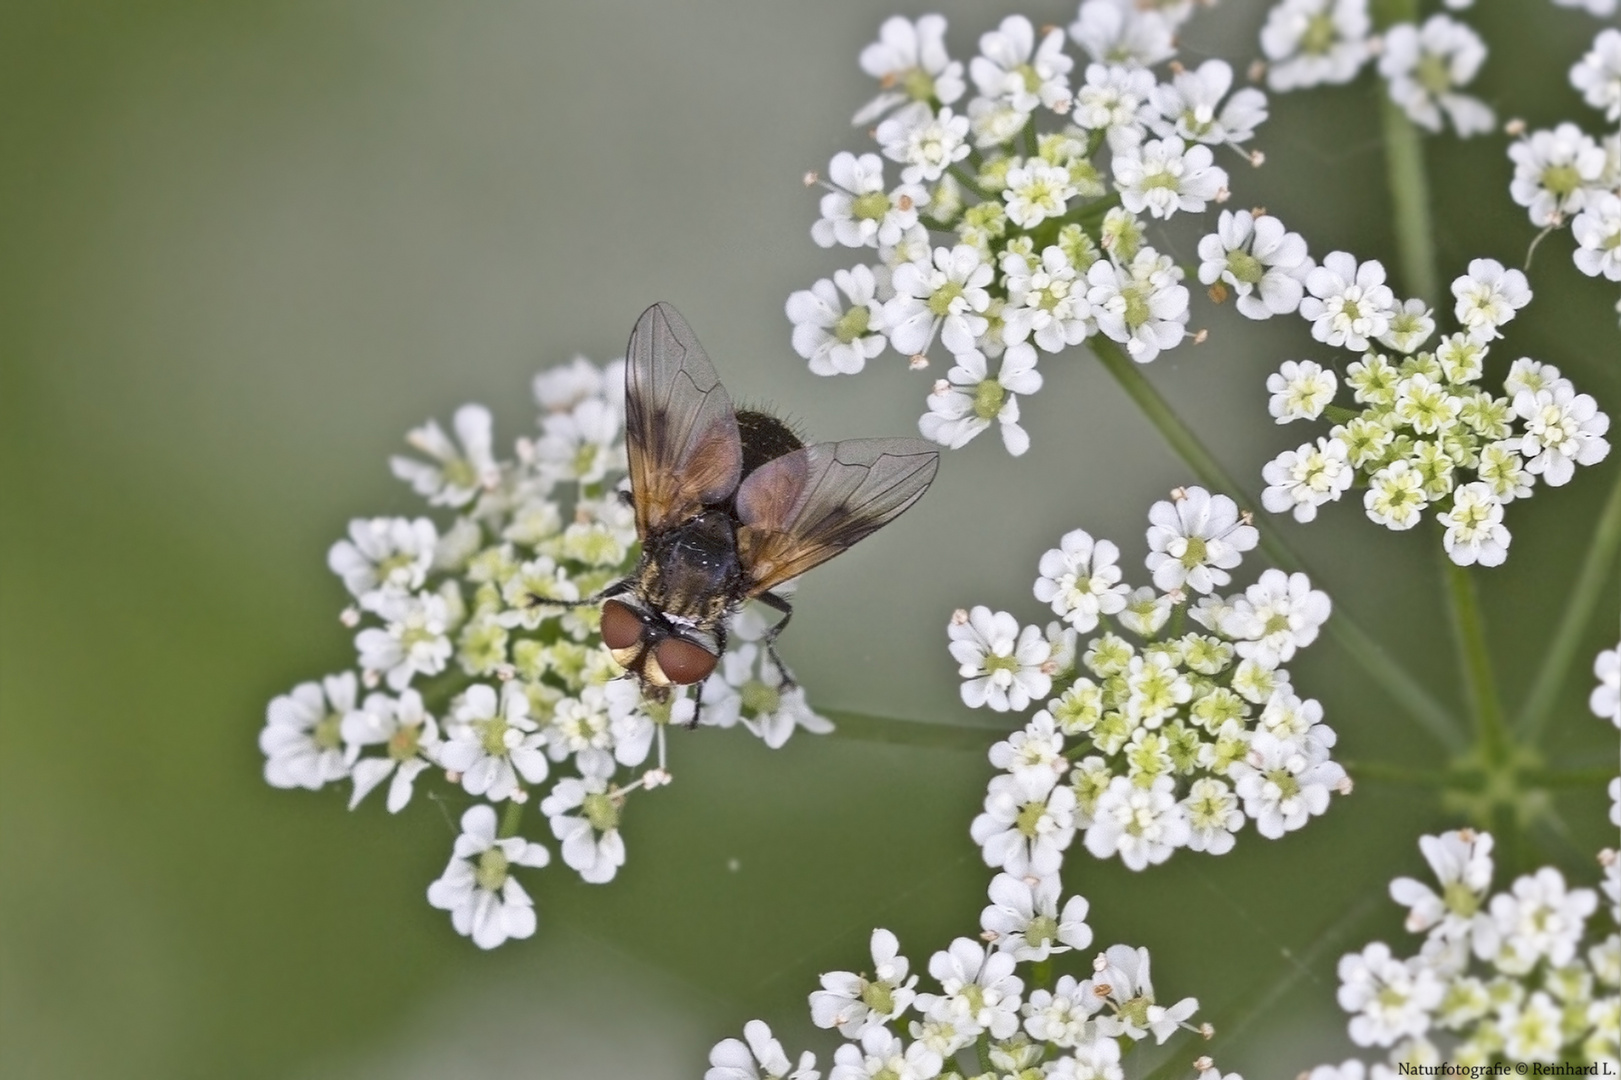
x=729, y=505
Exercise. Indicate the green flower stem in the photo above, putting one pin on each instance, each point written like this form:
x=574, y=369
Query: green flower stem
x=1378, y=772
x=1584, y=596
x=1469, y=633
x=1410, y=199
x=510, y=817
x=865, y=727
x=1571, y=778
x=1402, y=687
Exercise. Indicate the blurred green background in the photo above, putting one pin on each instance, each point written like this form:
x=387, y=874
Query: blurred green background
x=248, y=245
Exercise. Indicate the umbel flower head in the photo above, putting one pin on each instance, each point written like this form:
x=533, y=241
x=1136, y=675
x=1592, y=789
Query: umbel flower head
x=1015, y=223
x=1425, y=437
x=1173, y=740
x=474, y=681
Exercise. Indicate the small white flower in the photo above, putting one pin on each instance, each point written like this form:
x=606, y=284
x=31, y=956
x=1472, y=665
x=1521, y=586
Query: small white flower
x=1426, y=65
x=1605, y=701
x=1024, y=832
x=591, y=843
x=1023, y=918
x=302, y=739
x=1081, y=580
x=964, y=403
x=1488, y=296
x=384, y=556
x=856, y=212
x=1194, y=540
x=492, y=742
x=882, y=1054
x=1003, y=665
x=1116, y=100
x=1538, y=919
x=1282, y=785
x=1141, y=825
x=926, y=143
x=856, y=1004
x=410, y=737
x=1120, y=32
x=761, y=1058
x=1349, y=302
x=1012, y=68
x=1265, y=264
x=1142, y=305
x=1312, y=42
x=1213, y=816
x=1300, y=390
x=1036, y=191
x=1597, y=230
x=1563, y=429
x=1410, y=326
x=1391, y=999
x=1555, y=172
x=838, y=341
x=910, y=62
x=1163, y=176
x=583, y=444
x=560, y=388
x=1462, y=861
x=1121, y=979
x=1146, y=611
x=1046, y=300
x=1190, y=106
x=1305, y=478
x=1395, y=497
x=485, y=901
x=1598, y=74
x=946, y=296
x=1474, y=527
x=1063, y=1015
x=981, y=993
x=1277, y=615
x=415, y=642
x=1035, y=754
x=461, y=471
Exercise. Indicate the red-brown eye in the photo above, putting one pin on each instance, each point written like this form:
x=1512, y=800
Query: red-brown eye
x=683, y=661
x=621, y=626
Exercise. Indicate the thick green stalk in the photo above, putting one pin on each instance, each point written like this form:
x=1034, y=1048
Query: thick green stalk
x=1584, y=596
x=1402, y=687
x=1410, y=198
x=1378, y=772
x=1469, y=634
x=864, y=727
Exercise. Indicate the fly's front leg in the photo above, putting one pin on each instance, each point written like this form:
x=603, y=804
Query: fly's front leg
x=623, y=585
x=772, y=600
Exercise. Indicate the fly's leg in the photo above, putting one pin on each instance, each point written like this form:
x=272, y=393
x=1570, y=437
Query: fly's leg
x=623, y=585
x=772, y=600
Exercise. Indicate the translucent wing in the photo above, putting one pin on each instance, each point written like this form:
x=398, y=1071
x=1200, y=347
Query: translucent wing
x=680, y=430
x=803, y=508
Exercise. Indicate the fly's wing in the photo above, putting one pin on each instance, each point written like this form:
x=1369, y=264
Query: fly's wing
x=803, y=508
x=680, y=430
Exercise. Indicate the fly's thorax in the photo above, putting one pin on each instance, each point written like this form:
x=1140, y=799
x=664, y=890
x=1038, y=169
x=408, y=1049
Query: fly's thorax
x=691, y=574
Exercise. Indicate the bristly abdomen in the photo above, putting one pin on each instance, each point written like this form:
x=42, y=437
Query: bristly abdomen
x=764, y=437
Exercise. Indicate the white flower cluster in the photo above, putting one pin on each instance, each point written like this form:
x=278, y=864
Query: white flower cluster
x=1321, y=42
x=1519, y=976
x=1426, y=436
x=1009, y=232
x=498, y=690
x=1165, y=744
x=1008, y=1024
x=1565, y=176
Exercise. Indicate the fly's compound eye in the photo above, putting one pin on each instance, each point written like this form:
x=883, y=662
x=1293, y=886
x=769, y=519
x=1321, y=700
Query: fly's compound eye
x=683, y=662
x=621, y=626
